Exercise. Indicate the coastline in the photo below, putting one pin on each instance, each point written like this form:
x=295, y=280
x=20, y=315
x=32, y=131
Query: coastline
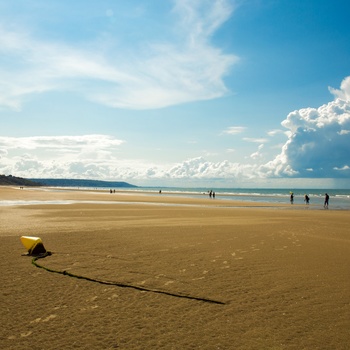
x=280, y=272
x=70, y=195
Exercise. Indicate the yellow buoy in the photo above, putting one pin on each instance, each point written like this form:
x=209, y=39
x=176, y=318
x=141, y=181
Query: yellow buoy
x=34, y=245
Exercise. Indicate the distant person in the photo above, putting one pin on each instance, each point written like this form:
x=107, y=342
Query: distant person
x=291, y=198
x=306, y=199
x=326, y=200
x=210, y=194
x=214, y=195
x=160, y=191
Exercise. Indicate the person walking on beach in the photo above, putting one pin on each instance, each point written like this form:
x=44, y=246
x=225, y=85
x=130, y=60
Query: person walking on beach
x=307, y=199
x=326, y=201
x=291, y=198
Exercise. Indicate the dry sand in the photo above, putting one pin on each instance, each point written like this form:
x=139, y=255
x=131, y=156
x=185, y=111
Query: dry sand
x=281, y=274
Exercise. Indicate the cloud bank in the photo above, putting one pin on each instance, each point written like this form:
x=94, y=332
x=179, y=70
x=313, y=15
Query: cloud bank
x=184, y=68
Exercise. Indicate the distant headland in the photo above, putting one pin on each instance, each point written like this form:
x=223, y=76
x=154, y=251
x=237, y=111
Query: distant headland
x=19, y=181
x=81, y=183
x=16, y=181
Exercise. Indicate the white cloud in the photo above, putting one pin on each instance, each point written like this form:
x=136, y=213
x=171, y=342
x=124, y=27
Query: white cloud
x=344, y=92
x=162, y=74
x=257, y=154
x=96, y=157
x=199, y=168
x=234, y=130
x=57, y=142
x=255, y=140
x=275, y=132
x=37, y=156
x=345, y=167
x=318, y=140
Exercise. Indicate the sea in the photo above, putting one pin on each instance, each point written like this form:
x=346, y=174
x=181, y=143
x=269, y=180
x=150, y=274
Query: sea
x=339, y=198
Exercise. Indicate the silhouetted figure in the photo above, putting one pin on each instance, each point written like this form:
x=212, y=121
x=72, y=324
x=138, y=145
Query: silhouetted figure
x=307, y=199
x=291, y=198
x=326, y=200
x=214, y=195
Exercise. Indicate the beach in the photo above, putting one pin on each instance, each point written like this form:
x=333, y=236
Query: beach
x=171, y=272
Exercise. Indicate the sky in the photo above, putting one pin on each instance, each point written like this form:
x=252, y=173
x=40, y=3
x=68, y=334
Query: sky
x=190, y=93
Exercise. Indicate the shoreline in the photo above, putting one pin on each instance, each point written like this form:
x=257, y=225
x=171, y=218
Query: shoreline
x=86, y=195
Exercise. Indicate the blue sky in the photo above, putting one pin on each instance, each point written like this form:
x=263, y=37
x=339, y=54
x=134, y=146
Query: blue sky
x=225, y=93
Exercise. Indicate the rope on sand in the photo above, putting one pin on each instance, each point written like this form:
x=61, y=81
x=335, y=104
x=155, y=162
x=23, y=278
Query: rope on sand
x=119, y=284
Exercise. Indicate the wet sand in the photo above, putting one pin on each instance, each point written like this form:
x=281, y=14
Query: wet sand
x=177, y=273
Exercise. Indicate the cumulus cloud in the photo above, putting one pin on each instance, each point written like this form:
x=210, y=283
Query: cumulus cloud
x=344, y=92
x=258, y=153
x=164, y=73
x=199, y=168
x=44, y=156
x=96, y=157
x=318, y=143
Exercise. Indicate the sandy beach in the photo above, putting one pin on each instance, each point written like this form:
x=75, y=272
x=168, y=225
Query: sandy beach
x=169, y=272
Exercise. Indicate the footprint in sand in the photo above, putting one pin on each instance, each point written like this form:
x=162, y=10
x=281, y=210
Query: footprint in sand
x=237, y=257
x=226, y=265
x=242, y=251
x=27, y=334
x=114, y=296
x=92, y=299
x=198, y=278
x=59, y=307
x=48, y=318
x=169, y=282
x=37, y=320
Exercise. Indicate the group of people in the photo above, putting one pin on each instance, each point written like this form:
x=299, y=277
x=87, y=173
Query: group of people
x=307, y=199
x=211, y=194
